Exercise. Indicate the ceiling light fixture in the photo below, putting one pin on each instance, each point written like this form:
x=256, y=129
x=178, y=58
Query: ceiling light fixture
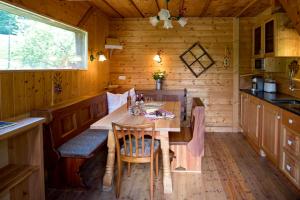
x=164, y=15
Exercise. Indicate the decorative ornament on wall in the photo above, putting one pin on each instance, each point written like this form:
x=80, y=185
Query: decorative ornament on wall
x=197, y=59
x=57, y=83
x=165, y=16
x=227, y=58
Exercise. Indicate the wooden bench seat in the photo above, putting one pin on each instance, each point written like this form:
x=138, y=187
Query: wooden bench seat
x=84, y=144
x=182, y=138
x=68, y=141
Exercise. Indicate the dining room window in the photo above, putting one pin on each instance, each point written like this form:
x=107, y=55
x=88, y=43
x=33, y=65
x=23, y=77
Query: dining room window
x=29, y=41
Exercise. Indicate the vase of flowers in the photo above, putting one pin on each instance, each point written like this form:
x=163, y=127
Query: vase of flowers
x=159, y=76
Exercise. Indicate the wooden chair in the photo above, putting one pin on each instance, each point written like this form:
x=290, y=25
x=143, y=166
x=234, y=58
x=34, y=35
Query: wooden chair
x=128, y=140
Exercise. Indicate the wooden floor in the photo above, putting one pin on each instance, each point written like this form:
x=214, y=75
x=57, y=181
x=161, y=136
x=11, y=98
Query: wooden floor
x=231, y=170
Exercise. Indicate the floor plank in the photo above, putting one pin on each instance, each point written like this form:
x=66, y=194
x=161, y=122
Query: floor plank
x=230, y=170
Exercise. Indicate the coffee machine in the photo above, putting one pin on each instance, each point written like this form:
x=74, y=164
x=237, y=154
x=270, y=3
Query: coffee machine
x=257, y=84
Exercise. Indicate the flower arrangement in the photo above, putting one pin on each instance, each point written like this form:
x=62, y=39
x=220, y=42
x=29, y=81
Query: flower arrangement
x=159, y=75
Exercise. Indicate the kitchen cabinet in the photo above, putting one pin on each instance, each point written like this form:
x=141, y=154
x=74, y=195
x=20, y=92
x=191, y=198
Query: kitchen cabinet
x=257, y=41
x=260, y=122
x=275, y=131
x=243, y=114
x=251, y=119
x=254, y=121
x=269, y=36
x=270, y=131
x=290, y=147
x=276, y=39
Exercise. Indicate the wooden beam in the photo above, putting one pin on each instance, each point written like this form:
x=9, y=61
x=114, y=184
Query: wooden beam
x=181, y=8
x=158, y=8
x=86, y=16
x=251, y=3
x=205, y=7
x=134, y=5
x=292, y=9
x=113, y=8
x=276, y=6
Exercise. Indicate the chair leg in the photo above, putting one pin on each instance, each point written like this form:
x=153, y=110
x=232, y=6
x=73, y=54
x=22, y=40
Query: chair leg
x=156, y=164
x=128, y=169
x=151, y=179
x=118, y=186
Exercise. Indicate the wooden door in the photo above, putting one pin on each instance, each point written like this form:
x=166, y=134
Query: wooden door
x=243, y=117
x=253, y=118
x=271, y=120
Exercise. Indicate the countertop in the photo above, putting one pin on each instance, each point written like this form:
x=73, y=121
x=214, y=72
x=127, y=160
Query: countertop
x=269, y=97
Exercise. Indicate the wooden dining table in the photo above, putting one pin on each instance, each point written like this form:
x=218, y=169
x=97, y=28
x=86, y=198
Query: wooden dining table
x=162, y=128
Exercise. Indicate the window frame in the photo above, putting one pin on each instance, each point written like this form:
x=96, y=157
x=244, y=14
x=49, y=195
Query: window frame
x=33, y=15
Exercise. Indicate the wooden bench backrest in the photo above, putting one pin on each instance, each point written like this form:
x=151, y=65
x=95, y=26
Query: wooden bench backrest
x=196, y=101
x=67, y=120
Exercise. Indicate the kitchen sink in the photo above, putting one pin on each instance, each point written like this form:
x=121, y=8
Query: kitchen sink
x=286, y=101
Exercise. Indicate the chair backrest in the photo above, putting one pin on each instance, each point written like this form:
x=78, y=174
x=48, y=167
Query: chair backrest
x=133, y=139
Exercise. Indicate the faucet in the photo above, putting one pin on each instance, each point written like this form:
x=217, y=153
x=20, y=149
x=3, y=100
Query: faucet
x=293, y=70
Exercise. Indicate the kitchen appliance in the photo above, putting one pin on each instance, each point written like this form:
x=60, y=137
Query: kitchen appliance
x=270, y=86
x=259, y=63
x=257, y=84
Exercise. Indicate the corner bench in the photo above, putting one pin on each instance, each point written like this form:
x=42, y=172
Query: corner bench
x=68, y=141
x=183, y=159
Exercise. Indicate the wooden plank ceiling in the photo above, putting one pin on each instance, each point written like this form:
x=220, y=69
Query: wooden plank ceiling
x=188, y=8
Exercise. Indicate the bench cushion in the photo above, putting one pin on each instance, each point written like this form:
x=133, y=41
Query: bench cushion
x=182, y=138
x=84, y=144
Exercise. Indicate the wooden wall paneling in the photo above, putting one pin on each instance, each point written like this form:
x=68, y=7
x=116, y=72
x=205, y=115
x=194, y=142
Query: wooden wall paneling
x=7, y=95
x=86, y=16
x=236, y=65
x=141, y=43
x=19, y=93
x=245, y=51
x=29, y=91
x=22, y=92
x=39, y=84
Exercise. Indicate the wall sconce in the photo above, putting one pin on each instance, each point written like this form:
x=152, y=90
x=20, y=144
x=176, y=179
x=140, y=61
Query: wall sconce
x=157, y=57
x=101, y=55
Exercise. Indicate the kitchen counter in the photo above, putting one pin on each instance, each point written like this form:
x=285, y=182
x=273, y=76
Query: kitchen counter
x=269, y=97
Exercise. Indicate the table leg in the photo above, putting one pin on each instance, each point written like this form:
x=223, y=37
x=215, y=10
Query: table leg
x=109, y=171
x=167, y=179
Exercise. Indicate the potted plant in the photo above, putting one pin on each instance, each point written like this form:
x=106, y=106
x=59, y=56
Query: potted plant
x=159, y=76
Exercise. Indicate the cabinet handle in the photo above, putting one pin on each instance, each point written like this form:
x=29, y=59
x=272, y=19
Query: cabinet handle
x=290, y=121
x=258, y=106
x=288, y=167
x=290, y=142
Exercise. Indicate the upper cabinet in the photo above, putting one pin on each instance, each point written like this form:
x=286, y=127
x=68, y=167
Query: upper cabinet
x=269, y=36
x=273, y=38
x=257, y=41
